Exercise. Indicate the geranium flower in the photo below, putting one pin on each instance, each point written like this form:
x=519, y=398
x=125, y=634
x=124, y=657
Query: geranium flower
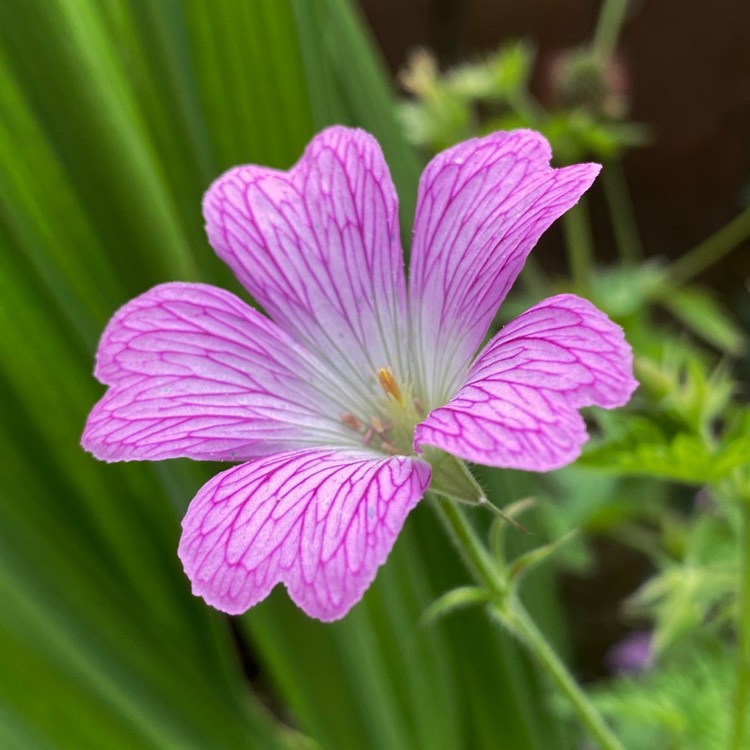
x=359, y=390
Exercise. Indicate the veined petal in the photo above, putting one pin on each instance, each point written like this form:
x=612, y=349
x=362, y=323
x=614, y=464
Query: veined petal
x=193, y=371
x=319, y=521
x=519, y=405
x=318, y=247
x=482, y=207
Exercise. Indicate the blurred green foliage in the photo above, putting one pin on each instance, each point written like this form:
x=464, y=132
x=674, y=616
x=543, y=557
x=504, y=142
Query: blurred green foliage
x=682, y=705
x=114, y=118
x=685, y=433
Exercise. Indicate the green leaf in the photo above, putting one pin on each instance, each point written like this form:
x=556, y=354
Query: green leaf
x=646, y=451
x=702, y=314
x=458, y=598
x=685, y=599
x=659, y=709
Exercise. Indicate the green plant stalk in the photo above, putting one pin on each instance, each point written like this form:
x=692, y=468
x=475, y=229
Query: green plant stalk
x=608, y=27
x=742, y=691
x=474, y=554
x=711, y=250
x=510, y=612
x=620, y=207
x=579, y=245
x=534, y=278
x=514, y=617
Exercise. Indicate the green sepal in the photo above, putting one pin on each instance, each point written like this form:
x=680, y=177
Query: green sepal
x=451, y=478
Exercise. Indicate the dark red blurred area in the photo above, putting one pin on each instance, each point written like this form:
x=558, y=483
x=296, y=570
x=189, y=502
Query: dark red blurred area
x=688, y=65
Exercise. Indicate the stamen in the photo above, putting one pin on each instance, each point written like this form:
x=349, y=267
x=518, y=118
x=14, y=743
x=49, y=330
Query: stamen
x=368, y=436
x=351, y=421
x=381, y=430
x=388, y=383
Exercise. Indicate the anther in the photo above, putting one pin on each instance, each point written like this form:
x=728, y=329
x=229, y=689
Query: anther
x=368, y=436
x=351, y=421
x=388, y=383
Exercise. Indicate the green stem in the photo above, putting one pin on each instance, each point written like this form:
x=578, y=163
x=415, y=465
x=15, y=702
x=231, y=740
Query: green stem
x=621, y=213
x=509, y=611
x=608, y=27
x=474, y=554
x=518, y=622
x=579, y=245
x=711, y=250
x=742, y=691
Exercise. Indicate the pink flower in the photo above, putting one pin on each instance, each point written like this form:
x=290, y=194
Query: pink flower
x=344, y=403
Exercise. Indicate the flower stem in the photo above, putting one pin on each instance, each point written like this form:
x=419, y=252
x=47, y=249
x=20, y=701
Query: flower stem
x=508, y=611
x=620, y=206
x=742, y=691
x=474, y=554
x=579, y=245
x=608, y=27
x=711, y=250
x=517, y=621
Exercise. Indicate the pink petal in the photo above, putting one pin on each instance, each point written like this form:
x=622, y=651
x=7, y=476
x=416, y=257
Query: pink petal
x=319, y=521
x=194, y=371
x=519, y=405
x=482, y=207
x=318, y=247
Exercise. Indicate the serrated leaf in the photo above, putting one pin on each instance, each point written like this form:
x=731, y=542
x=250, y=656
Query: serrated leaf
x=644, y=450
x=685, y=598
x=661, y=709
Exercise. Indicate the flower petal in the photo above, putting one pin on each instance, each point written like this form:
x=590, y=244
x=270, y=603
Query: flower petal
x=519, y=405
x=194, y=371
x=482, y=207
x=319, y=248
x=319, y=521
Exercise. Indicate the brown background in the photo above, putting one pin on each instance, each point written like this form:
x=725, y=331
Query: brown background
x=688, y=62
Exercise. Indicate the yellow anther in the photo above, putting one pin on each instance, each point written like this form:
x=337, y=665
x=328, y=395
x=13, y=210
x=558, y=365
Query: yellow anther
x=388, y=383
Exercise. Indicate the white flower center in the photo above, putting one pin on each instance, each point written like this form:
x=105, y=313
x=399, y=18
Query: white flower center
x=391, y=429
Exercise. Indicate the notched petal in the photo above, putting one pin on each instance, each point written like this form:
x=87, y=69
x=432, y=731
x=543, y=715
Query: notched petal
x=518, y=407
x=325, y=546
x=194, y=371
x=319, y=248
x=482, y=207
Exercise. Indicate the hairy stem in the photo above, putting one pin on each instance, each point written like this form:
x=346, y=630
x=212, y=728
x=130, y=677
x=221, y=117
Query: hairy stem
x=474, y=554
x=517, y=621
x=742, y=690
x=509, y=612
